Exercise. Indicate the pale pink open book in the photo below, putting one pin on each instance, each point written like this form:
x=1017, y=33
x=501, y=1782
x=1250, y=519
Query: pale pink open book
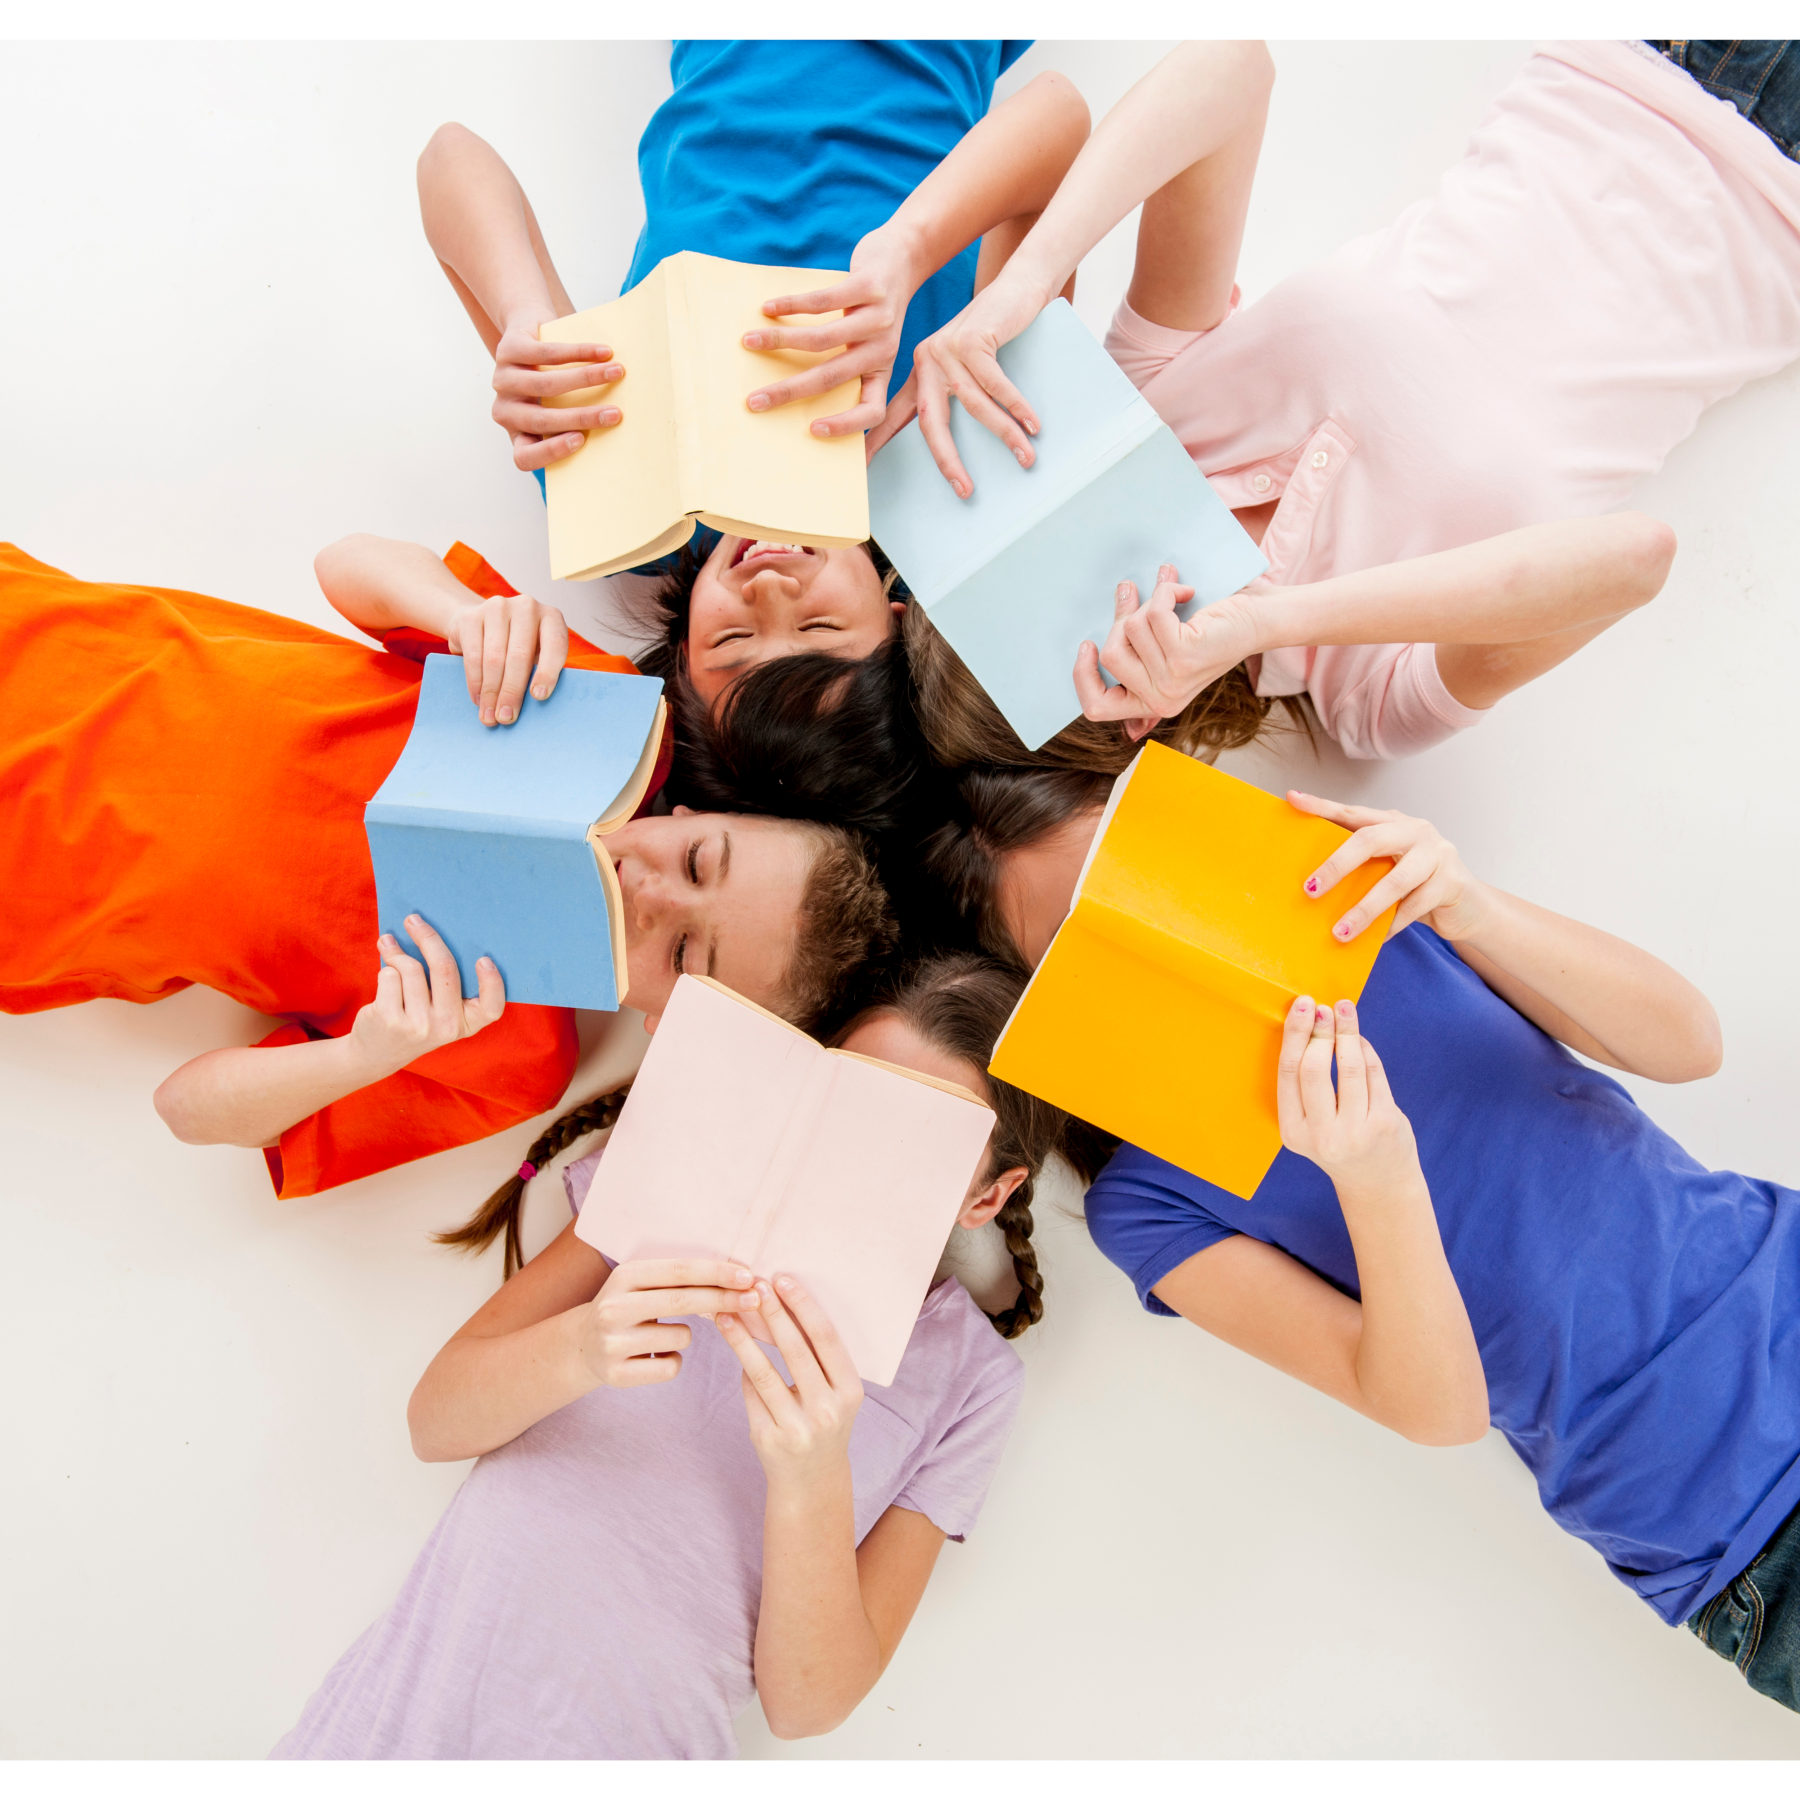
x=743, y=1138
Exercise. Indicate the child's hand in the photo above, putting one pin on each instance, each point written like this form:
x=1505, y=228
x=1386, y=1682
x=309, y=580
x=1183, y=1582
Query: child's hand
x=623, y=1345
x=962, y=360
x=800, y=1432
x=1428, y=878
x=528, y=371
x=412, y=1013
x=1356, y=1134
x=873, y=299
x=500, y=640
x=1160, y=662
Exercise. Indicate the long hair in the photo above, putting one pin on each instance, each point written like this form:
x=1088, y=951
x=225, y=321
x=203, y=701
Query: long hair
x=959, y=1004
x=999, y=811
x=962, y=726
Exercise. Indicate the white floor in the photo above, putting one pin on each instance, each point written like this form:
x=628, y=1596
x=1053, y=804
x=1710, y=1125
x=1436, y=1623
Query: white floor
x=227, y=345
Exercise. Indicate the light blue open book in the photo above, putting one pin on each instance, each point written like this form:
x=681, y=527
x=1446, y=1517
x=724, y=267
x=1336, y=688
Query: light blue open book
x=1025, y=568
x=492, y=835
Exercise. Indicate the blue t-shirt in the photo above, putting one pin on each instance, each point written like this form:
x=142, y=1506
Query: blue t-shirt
x=787, y=152
x=1638, y=1316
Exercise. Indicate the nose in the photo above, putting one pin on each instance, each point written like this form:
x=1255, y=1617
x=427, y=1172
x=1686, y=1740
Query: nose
x=773, y=587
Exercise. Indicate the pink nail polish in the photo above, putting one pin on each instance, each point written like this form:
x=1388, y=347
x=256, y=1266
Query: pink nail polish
x=1312, y=884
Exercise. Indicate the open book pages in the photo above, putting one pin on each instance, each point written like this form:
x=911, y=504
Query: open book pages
x=687, y=449
x=493, y=836
x=1158, y=1009
x=743, y=1138
x=1020, y=573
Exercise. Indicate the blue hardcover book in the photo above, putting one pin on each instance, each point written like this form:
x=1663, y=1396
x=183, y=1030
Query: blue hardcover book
x=1025, y=568
x=493, y=836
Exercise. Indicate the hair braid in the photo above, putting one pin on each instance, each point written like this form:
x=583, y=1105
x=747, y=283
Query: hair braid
x=1014, y=1220
x=501, y=1210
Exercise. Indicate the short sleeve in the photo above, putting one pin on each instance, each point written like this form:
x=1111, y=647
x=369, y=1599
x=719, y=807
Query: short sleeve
x=949, y=1486
x=1144, y=350
x=1146, y=1228
x=1011, y=49
x=1381, y=701
x=517, y=1068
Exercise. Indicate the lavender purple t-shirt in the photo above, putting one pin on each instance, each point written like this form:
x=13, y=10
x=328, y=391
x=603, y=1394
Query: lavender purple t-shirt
x=592, y=1590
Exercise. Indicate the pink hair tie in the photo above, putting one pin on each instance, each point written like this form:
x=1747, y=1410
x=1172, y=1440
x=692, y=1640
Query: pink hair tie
x=527, y=1171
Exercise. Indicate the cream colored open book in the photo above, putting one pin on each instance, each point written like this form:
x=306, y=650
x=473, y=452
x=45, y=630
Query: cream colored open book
x=688, y=450
x=743, y=1138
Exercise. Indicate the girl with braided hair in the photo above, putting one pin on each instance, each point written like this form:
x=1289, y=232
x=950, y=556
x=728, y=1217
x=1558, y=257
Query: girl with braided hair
x=692, y=1565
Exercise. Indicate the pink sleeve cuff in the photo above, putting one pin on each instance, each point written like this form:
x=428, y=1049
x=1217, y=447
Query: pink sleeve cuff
x=1142, y=349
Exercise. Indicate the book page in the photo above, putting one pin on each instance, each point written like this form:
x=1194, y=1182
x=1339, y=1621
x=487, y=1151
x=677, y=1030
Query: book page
x=631, y=795
x=704, y=1119
x=872, y=1201
x=617, y=501
x=766, y=475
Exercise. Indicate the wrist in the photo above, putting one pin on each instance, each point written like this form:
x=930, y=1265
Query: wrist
x=906, y=248
x=805, y=1492
x=357, y=1065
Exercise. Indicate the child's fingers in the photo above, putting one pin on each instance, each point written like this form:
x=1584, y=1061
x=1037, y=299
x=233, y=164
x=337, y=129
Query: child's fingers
x=1352, y=818
x=415, y=989
x=902, y=409
x=553, y=652
x=519, y=382
x=1380, y=1094
x=853, y=290
x=540, y=452
x=934, y=427
x=827, y=1346
x=820, y=379
x=446, y=977
x=1382, y=839
x=517, y=657
x=1098, y=701
x=1352, y=1075
x=868, y=412
x=541, y=350
x=681, y=1272
x=1408, y=873
x=809, y=1379
x=1295, y=1031
x=987, y=397
x=490, y=996
x=1316, y=1094
x=493, y=662
x=646, y=1370
x=759, y=1372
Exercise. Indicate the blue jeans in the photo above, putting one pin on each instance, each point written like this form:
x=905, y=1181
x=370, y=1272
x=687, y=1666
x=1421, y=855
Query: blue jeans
x=1755, y=1622
x=1759, y=76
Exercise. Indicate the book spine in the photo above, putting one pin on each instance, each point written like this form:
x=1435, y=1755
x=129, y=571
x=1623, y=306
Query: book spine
x=1186, y=961
x=685, y=351
x=1134, y=426
x=440, y=818
x=796, y=1135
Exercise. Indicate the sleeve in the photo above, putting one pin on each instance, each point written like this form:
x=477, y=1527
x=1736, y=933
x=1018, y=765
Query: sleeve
x=1011, y=49
x=949, y=1486
x=1381, y=701
x=1144, y=350
x=520, y=1066
x=1146, y=1226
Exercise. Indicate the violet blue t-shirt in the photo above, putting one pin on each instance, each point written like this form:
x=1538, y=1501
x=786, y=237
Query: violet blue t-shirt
x=592, y=1591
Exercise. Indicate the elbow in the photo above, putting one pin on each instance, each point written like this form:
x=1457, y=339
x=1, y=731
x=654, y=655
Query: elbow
x=1259, y=68
x=1072, y=117
x=444, y=146
x=426, y=1445
x=1646, y=556
x=792, y=1724
x=174, y=1106
x=1448, y=1433
x=1702, y=1050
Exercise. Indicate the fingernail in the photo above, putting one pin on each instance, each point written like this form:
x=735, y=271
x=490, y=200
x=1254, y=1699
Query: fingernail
x=753, y=340
x=962, y=492
x=1312, y=884
x=1166, y=572
x=610, y=415
x=612, y=372
x=484, y=962
x=1345, y=1009
x=412, y=918
x=742, y=1277
x=758, y=403
x=1304, y=1003
x=820, y=428
x=540, y=692
x=506, y=715
x=1343, y=931
x=784, y=1282
x=1020, y=454
x=1122, y=590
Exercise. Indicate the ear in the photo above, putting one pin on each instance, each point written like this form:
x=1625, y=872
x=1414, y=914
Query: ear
x=898, y=607
x=651, y=1021
x=979, y=1208
x=681, y=812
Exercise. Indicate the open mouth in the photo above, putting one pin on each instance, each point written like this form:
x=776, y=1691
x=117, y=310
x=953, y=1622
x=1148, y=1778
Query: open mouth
x=761, y=549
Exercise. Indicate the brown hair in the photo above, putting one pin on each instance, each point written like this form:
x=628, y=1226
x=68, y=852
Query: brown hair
x=963, y=726
x=1002, y=810
x=959, y=1004
x=844, y=926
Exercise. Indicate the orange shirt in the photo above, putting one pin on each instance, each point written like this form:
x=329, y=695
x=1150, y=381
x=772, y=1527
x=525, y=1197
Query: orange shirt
x=185, y=782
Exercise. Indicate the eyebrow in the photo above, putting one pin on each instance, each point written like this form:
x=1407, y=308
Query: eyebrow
x=724, y=867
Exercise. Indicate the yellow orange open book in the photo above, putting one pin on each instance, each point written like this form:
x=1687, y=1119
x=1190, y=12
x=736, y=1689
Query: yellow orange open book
x=1157, y=1012
x=687, y=449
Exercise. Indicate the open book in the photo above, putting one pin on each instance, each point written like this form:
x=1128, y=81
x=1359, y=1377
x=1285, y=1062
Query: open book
x=1158, y=1010
x=492, y=834
x=1017, y=575
x=687, y=448
x=743, y=1138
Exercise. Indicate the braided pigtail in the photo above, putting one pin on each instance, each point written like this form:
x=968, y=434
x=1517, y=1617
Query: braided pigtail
x=1014, y=1221
x=501, y=1210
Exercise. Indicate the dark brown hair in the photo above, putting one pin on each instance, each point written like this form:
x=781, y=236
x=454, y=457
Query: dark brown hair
x=959, y=1004
x=844, y=932
x=963, y=726
x=1000, y=810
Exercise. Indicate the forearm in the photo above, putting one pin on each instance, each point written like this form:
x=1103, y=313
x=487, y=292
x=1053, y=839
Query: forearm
x=1525, y=584
x=1595, y=992
x=481, y=227
x=482, y=1392
x=1418, y=1370
x=1007, y=165
x=817, y=1653
x=1196, y=102
x=380, y=583
x=250, y=1096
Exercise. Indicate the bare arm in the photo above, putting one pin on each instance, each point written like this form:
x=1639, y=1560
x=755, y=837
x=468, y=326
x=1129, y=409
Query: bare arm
x=250, y=1096
x=1500, y=612
x=1592, y=991
x=1405, y=1355
x=1184, y=141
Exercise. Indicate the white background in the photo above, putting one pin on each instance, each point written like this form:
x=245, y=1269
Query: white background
x=227, y=344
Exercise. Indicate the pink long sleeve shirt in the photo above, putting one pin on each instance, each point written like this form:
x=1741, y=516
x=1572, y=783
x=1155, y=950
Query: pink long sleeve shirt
x=1616, y=251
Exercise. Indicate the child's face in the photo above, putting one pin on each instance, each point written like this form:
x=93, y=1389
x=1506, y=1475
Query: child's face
x=755, y=599
x=1037, y=884
x=709, y=894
